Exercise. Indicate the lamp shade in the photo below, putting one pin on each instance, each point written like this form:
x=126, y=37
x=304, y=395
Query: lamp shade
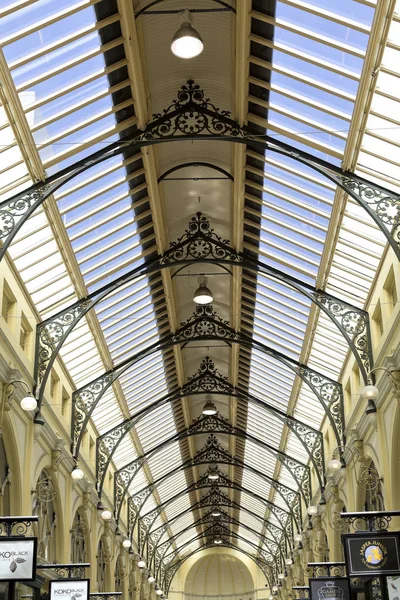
x=312, y=510
x=298, y=537
x=106, y=515
x=127, y=543
x=187, y=42
x=141, y=564
x=334, y=464
x=203, y=294
x=159, y=592
x=216, y=513
x=28, y=403
x=217, y=541
x=77, y=473
x=213, y=474
x=151, y=579
x=209, y=408
x=370, y=392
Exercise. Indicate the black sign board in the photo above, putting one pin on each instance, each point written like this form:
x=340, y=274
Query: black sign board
x=369, y=553
x=69, y=589
x=329, y=588
x=18, y=558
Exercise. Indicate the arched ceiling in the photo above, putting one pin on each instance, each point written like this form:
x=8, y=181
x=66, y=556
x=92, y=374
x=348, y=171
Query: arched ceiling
x=218, y=575
x=78, y=76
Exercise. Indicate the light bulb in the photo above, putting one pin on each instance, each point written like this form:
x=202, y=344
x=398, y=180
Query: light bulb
x=217, y=541
x=270, y=597
x=28, y=403
x=209, y=408
x=312, y=510
x=127, y=543
x=275, y=588
x=151, y=579
x=334, y=464
x=141, y=564
x=216, y=513
x=288, y=561
x=187, y=42
x=203, y=295
x=298, y=537
x=77, y=473
x=370, y=392
x=281, y=576
x=159, y=592
x=106, y=515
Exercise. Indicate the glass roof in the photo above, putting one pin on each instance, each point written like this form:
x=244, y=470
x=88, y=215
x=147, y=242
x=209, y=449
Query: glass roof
x=72, y=90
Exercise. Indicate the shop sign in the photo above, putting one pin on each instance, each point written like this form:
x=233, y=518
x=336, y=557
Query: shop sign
x=329, y=588
x=369, y=553
x=18, y=558
x=69, y=589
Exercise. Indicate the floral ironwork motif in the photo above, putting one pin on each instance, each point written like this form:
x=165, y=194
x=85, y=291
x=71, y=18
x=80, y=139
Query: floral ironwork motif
x=200, y=242
x=12, y=213
x=191, y=113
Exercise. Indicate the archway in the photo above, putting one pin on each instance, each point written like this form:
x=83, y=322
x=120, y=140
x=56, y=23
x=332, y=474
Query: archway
x=219, y=575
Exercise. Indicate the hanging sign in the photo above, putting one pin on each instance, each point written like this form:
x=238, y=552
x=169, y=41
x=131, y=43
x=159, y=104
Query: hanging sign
x=69, y=589
x=369, y=553
x=329, y=588
x=18, y=558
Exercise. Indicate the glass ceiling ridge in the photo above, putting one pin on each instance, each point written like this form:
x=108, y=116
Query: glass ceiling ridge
x=327, y=14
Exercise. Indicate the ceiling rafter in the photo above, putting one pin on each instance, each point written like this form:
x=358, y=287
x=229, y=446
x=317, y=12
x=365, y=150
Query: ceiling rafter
x=134, y=53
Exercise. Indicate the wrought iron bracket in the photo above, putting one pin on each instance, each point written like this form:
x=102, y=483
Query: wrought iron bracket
x=201, y=244
x=192, y=116
x=328, y=569
x=205, y=424
x=212, y=452
x=16, y=526
x=373, y=521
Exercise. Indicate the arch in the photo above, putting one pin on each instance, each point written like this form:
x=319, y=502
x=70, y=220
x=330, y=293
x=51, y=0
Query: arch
x=85, y=399
x=12, y=480
x=237, y=579
x=353, y=323
x=196, y=163
x=216, y=424
x=207, y=123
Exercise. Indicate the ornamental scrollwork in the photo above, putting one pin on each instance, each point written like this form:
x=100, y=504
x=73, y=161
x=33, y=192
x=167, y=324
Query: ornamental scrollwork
x=51, y=334
x=353, y=323
x=15, y=210
x=330, y=394
x=207, y=379
x=84, y=401
x=106, y=444
x=301, y=475
x=387, y=206
x=205, y=323
x=191, y=113
x=313, y=441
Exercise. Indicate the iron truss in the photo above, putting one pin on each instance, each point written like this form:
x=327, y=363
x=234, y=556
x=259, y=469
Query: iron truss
x=211, y=453
x=204, y=424
x=157, y=554
x=192, y=116
x=205, y=324
x=214, y=498
x=311, y=439
x=202, y=245
x=147, y=521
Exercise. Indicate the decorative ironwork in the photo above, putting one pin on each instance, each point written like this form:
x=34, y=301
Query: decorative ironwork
x=147, y=520
x=370, y=521
x=368, y=478
x=203, y=424
x=200, y=242
x=105, y=595
x=80, y=529
x=354, y=325
x=67, y=571
x=17, y=526
x=45, y=489
x=213, y=452
x=191, y=114
x=328, y=569
x=351, y=321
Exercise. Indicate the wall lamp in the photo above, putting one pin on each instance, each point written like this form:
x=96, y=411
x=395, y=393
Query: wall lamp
x=28, y=402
